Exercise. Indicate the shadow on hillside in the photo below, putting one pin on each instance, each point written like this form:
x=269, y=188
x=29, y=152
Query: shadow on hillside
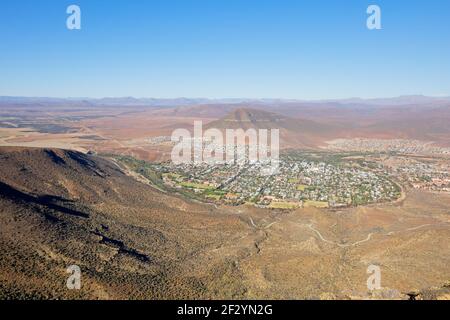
x=47, y=200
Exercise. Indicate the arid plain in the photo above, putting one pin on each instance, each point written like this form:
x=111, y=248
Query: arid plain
x=67, y=198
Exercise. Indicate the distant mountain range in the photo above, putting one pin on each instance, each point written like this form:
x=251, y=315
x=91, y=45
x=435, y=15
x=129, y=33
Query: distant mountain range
x=309, y=122
x=293, y=131
x=306, y=126
x=131, y=101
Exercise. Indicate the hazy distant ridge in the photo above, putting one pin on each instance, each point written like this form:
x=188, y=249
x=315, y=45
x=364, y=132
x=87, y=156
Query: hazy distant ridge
x=131, y=101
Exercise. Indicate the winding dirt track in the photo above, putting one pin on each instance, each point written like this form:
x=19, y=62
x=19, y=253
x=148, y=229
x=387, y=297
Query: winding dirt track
x=369, y=236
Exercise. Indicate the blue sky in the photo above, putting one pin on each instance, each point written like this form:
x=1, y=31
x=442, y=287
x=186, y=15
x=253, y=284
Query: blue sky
x=224, y=48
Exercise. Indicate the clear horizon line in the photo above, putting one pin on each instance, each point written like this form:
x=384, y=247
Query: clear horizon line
x=443, y=96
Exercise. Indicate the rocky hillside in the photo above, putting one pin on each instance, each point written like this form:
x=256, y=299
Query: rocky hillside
x=60, y=208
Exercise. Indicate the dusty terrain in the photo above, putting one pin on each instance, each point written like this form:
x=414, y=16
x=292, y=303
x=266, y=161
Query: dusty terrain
x=124, y=126
x=130, y=240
